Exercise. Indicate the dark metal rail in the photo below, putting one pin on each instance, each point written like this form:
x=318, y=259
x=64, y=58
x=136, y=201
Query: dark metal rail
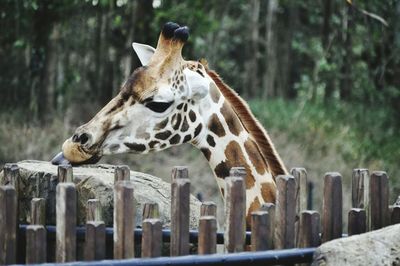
x=272, y=257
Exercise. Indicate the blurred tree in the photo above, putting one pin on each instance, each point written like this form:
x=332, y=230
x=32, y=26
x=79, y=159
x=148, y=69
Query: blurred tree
x=271, y=56
x=68, y=55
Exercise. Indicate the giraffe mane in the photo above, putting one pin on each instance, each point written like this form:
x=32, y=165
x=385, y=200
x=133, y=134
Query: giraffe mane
x=252, y=125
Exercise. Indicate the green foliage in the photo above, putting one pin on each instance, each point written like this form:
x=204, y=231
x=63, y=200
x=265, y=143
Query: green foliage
x=363, y=135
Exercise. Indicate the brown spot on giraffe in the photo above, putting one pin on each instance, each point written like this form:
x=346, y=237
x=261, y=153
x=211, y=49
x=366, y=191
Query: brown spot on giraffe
x=163, y=135
x=117, y=107
x=192, y=116
x=153, y=143
x=234, y=155
x=185, y=125
x=233, y=122
x=197, y=130
x=175, y=139
x=141, y=132
x=187, y=138
x=176, y=119
x=162, y=124
x=206, y=152
x=254, y=206
x=268, y=192
x=210, y=141
x=255, y=156
x=215, y=126
x=214, y=93
x=222, y=170
x=135, y=146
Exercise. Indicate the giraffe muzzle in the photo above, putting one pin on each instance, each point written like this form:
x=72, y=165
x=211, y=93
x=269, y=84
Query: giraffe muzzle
x=76, y=151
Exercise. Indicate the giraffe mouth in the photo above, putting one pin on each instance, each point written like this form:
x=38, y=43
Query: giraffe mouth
x=75, y=154
x=60, y=159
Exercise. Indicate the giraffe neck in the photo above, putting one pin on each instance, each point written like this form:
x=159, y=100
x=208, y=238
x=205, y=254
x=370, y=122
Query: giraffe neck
x=226, y=143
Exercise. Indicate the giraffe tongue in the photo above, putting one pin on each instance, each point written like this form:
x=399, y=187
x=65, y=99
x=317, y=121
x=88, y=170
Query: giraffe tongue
x=59, y=159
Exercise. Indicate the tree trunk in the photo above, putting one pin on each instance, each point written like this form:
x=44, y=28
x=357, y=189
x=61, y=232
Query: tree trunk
x=326, y=30
x=144, y=13
x=50, y=74
x=346, y=81
x=252, y=64
x=106, y=74
x=286, y=65
x=271, y=59
x=128, y=58
x=42, y=25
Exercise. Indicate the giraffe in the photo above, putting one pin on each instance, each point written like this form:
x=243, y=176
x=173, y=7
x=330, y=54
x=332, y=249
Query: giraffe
x=170, y=101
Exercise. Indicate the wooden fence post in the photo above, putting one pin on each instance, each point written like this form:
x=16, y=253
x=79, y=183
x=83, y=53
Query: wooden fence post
x=122, y=172
x=235, y=214
x=357, y=223
x=8, y=225
x=38, y=211
x=36, y=244
x=395, y=215
x=285, y=212
x=124, y=220
x=11, y=175
x=379, y=200
x=151, y=238
x=360, y=191
x=207, y=235
x=93, y=210
x=309, y=229
x=66, y=205
x=332, y=207
x=300, y=176
x=180, y=196
x=95, y=240
x=65, y=174
x=150, y=211
x=208, y=208
x=359, y=188
x=270, y=209
x=259, y=230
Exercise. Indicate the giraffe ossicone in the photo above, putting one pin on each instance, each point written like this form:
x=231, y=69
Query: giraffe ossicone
x=169, y=101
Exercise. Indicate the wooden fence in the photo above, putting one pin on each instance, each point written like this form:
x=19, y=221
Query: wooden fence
x=283, y=225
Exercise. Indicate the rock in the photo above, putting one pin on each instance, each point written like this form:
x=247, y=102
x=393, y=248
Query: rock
x=380, y=247
x=39, y=179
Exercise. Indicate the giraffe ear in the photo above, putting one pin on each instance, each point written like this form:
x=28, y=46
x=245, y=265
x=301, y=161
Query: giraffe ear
x=144, y=52
x=198, y=85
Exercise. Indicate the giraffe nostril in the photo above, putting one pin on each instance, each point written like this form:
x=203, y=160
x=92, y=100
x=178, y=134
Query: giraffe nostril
x=83, y=138
x=75, y=138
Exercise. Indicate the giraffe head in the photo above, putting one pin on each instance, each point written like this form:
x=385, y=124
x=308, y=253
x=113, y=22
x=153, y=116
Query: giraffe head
x=157, y=106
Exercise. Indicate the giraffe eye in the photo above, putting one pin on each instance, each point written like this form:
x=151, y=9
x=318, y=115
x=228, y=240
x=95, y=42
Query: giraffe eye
x=158, y=107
